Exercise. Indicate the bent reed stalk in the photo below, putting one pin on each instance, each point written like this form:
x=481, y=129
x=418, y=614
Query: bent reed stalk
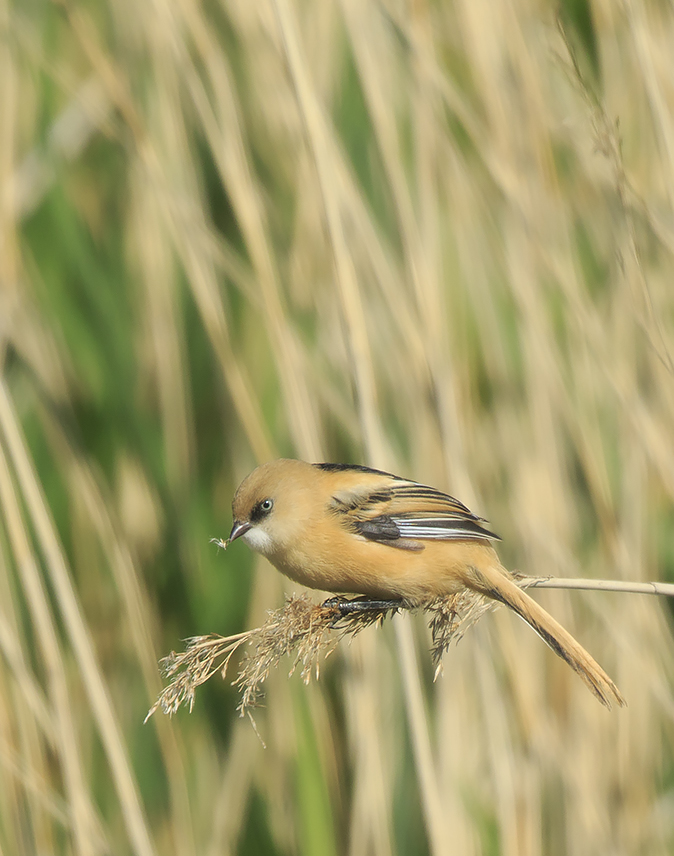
x=625, y=587
x=308, y=631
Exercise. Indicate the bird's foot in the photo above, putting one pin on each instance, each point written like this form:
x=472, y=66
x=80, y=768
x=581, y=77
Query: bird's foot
x=360, y=605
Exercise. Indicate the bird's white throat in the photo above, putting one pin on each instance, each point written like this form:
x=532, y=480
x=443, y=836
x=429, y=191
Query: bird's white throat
x=257, y=540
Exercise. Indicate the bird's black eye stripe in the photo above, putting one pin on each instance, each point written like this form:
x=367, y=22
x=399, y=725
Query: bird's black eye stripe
x=261, y=509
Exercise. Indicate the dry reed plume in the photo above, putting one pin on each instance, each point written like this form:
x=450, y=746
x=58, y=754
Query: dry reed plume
x=309, y=632
x=305, y=631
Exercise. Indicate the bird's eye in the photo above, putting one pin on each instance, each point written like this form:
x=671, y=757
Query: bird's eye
x=261, y=509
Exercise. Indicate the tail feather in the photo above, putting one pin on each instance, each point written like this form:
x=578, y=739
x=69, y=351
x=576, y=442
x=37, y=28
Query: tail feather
x=497, y=584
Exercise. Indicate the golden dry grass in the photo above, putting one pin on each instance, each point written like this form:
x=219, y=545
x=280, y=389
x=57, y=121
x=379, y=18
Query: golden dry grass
x=307, y=633
x=433, y=238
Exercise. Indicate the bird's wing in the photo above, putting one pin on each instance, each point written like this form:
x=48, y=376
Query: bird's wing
x=399, y=513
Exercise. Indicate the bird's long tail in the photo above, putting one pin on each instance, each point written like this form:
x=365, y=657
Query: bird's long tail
x=498, y=584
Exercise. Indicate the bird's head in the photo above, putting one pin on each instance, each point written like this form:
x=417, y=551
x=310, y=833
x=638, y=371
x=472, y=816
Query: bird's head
x=272, y=504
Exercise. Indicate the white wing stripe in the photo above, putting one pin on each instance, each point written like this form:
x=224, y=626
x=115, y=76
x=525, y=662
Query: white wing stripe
x=438, y=520
x=405, y=523
x=409, y=529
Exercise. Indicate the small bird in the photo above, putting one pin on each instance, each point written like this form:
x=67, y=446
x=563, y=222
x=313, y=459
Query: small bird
x=351, y=529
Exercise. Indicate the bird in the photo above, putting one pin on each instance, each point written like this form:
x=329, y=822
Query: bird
x=351, y=529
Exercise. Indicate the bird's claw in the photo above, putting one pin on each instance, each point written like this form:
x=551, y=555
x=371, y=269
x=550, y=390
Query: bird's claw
x=359, y=605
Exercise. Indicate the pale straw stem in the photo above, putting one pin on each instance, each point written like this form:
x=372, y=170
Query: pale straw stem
x=629, y=587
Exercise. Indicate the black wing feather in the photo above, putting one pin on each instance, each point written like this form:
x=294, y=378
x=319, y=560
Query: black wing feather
x=402, y=514
x=356, y=468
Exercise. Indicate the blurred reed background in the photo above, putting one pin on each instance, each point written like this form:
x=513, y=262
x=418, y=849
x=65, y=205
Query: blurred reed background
x=433, y=237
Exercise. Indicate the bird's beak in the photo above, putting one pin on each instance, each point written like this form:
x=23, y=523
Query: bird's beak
x=238, y=529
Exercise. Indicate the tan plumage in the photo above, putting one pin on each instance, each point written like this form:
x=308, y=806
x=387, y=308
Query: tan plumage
x=349, y=529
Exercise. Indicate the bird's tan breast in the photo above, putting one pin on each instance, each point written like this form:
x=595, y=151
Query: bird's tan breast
x=333, y=559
